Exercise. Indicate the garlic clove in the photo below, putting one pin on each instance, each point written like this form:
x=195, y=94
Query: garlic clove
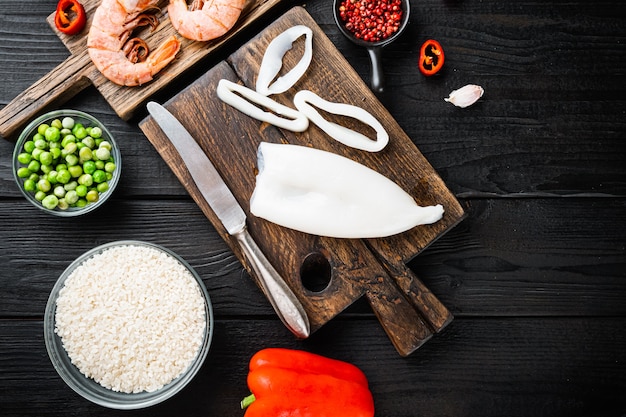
x=325, y=194
x=304, y=102
x=248, y=101
x=273, y=61
x=465, y=96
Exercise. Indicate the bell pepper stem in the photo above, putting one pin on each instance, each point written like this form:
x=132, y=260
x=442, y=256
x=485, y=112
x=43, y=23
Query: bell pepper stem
x=245, y=403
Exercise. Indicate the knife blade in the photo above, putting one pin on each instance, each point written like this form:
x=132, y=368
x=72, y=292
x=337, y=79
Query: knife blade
x=227, y=209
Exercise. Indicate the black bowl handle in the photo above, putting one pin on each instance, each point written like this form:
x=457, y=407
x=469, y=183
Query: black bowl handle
x=378, y=79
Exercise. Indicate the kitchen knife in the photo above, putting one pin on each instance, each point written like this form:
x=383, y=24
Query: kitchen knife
x=223, y=203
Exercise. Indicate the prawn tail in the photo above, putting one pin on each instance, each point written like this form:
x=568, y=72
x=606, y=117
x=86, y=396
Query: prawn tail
x=164, y=54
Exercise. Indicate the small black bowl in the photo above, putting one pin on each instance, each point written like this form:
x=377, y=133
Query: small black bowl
x=374, y=48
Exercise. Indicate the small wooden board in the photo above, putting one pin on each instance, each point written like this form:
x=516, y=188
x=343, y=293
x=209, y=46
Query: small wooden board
x=78, y=72
x=374, y=268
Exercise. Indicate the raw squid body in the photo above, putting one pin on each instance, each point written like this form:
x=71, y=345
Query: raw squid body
x=325, y=194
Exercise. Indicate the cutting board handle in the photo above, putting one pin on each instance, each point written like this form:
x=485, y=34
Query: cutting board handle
x=60, y=84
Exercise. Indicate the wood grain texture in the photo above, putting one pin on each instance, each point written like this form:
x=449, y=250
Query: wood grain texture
x=77, y=72
x=475, y=370
x=534, y=275
x=230, y=139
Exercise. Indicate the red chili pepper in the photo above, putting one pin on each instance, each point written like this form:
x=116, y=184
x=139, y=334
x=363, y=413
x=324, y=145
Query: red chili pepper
x=70, y=17
x=294, y=383
x=431, y=57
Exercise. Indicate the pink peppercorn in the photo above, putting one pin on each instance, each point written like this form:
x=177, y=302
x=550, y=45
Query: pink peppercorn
x=371, y=20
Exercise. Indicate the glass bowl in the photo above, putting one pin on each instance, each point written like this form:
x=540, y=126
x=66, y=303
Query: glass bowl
x=88, y=387
x=28, y=135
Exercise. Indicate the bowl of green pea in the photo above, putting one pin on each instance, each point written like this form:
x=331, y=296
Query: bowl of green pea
x=66, y=163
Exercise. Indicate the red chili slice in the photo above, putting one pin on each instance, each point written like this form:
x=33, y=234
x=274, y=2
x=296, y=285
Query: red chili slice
x=70, y=17
x=431, y=58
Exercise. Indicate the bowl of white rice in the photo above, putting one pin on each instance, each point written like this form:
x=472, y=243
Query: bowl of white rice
x=128, y=324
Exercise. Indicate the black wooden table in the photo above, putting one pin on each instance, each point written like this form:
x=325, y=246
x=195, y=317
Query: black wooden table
x=535, y=275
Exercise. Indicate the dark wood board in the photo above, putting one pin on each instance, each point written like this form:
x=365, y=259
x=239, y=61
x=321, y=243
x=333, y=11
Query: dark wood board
x=375, y=268
x=78, y=72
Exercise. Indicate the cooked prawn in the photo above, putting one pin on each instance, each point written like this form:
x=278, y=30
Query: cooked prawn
x=204, y=20
x=123, y=60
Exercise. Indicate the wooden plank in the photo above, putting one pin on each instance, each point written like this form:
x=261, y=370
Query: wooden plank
x=539, y=263
x=77, y=72
x=478, y=367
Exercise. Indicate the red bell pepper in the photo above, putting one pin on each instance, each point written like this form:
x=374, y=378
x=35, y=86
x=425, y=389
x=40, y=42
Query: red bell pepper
x=70, y=17
x=294, y=383
x=431, y=58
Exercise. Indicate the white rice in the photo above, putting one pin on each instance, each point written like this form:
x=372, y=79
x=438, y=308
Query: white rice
x=132, y=318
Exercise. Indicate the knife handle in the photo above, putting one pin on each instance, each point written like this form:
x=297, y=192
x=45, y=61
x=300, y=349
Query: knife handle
x=284, y=301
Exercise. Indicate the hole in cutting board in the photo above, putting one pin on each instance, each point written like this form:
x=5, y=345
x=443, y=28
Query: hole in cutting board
x=315, y=272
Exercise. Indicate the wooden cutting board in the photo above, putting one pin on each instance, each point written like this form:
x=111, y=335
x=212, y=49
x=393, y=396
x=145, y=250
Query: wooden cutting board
x=374, y=268
x=78, y=72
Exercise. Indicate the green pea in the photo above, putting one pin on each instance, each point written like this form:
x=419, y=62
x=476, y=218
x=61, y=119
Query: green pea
x=106, y=145
x=34, y=166
x=92, y=196
x=53, y=134
x=56, y=153
x=102, y=187
x=40, y=195
x=60, y=167
x=71, y=197
x=70, y=186
x=99, y=176
x=75, y=171
x=63, y=176
x=99, y=164
x=81, y=203
x=34, y=177
x=44, y=185
x=59, y=191
x=46, y=169
x=23, y=172
x=109, y=167
x=68, y=139
x=65, y=132
x=29, y=145
x=24, y=158
x=50, y=202
x=63, y=204
x=52, y=177
x=41, y=144
x=86, y=180
x=67, y=122
x=71, y=160
x=103, y=154
x=89, y=167
x=30, y=185
x=79, y=131
x=46, y=158
x=89, y=141
x=85, y=154
x=56, y=123
x=42, y=129
x=96, y=132
x=69, y=148
x=37, y=153
x=81, y=190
